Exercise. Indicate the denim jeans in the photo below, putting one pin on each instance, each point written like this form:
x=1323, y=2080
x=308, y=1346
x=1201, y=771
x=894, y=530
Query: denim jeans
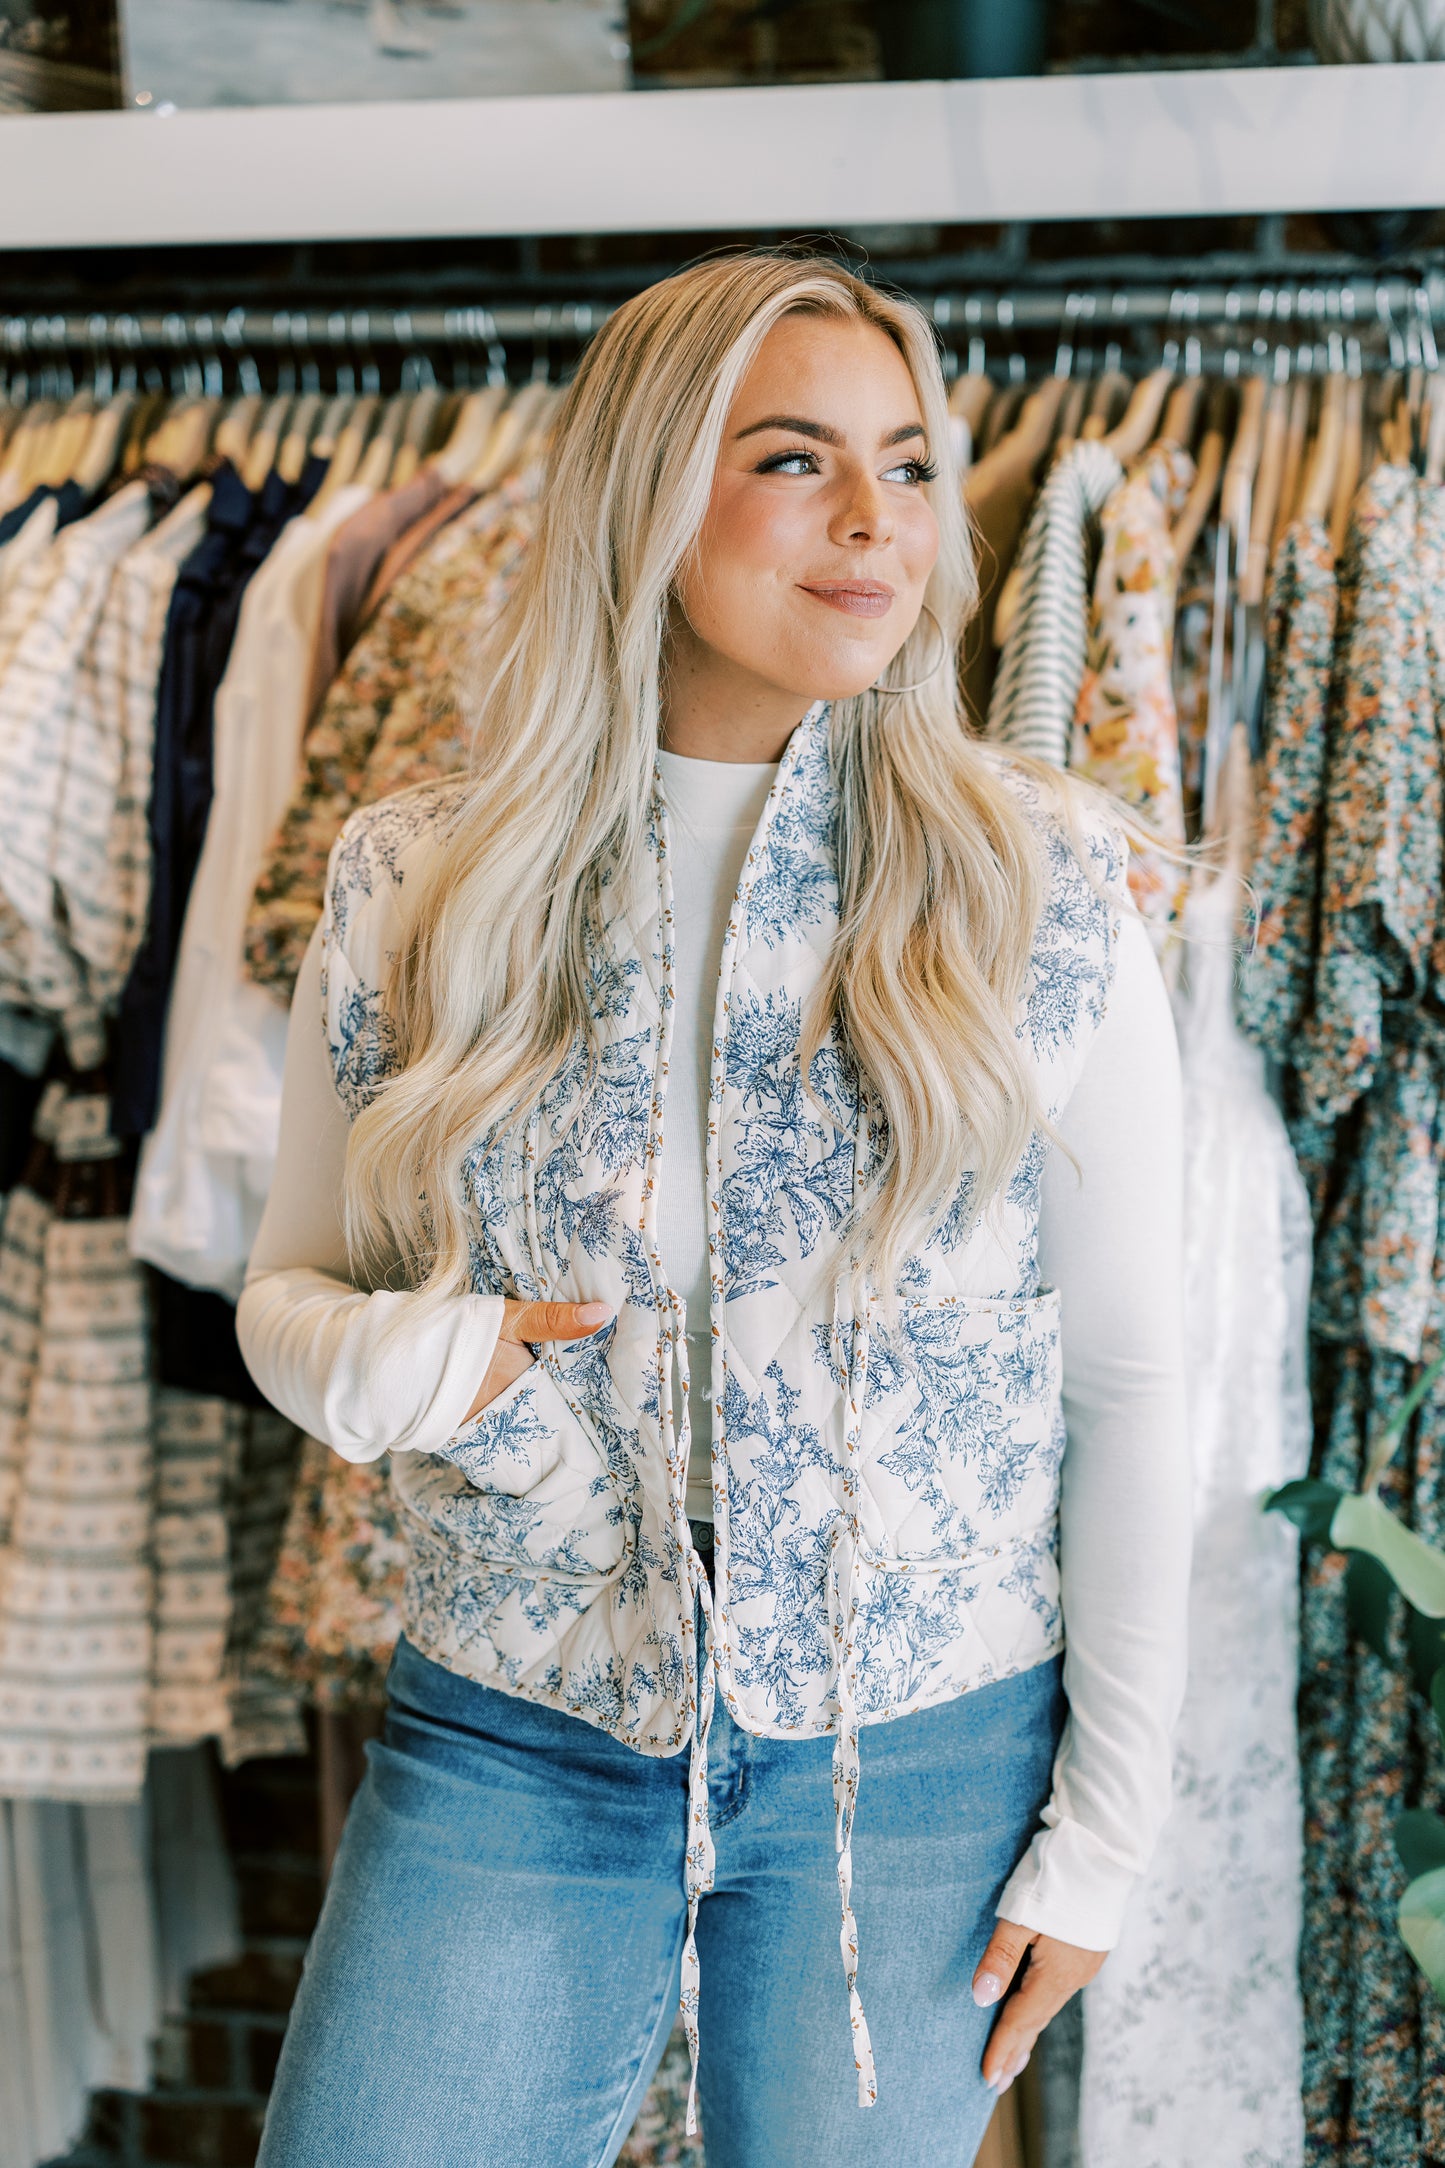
x=496, y=1968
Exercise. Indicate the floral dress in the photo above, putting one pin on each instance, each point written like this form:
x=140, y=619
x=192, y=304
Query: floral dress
x=390, y=718
x=1126, y=731
x=1357, y=964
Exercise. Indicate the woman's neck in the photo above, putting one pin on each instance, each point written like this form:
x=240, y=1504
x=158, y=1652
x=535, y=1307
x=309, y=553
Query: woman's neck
x=714, y=710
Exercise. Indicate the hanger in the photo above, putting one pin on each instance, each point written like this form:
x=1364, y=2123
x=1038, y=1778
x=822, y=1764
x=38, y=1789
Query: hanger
x=1110, y=393
x=1268, y=481
x=508, y=435
x=1012, y=463
x=1435, y=430
x=421, y=424
x=375, y=467
x=295, y=447
x=471, y=432
x=238, y=421
x=1136, y=431
x=1208, y=472
x=1182, y=411
x=266, y=441
x=1302, y=400
x=1316, y=497
x=350, y=448
x=1351, y=461
x=100, y=454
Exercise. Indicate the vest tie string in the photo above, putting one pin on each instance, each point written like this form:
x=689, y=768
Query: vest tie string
x=700, y=1858
x=842, y=1622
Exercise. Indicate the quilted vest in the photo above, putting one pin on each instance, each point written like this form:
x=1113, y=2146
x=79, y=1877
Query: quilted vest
x=885, y=1479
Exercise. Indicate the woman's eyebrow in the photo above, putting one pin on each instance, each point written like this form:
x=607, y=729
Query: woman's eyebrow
x=820, y=430
x=794, y=422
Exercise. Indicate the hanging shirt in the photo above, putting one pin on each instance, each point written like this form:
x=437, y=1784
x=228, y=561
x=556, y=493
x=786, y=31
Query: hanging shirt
x=45, y=700
x=391, y=717
x=1126, y=731
x=1042, y=665
x=240, y=530
x=196, y=1204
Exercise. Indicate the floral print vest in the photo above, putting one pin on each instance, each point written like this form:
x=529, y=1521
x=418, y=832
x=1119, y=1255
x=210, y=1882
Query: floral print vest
x=885, y=1485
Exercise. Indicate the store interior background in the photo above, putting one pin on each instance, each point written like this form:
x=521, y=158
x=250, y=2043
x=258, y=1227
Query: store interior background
x=215, y=2057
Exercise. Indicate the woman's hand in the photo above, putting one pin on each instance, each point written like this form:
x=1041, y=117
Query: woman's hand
x=524, y=1321
x=1055, y=1971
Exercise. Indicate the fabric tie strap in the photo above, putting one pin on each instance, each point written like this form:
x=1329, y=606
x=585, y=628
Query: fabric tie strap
x=700, y=1858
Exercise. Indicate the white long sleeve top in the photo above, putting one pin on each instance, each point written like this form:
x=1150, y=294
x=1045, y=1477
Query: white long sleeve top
x=355, y=1369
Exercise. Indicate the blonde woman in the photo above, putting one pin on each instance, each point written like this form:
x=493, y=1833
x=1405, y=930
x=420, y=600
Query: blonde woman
x=731, y=1162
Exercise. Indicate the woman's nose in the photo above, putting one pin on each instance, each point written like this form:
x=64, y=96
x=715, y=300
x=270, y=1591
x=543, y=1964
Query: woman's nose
x=864, y=514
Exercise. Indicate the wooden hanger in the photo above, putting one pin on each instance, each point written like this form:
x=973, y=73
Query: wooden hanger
x=1435, y=430
x=1317, y=490
x=1243, y=460
x=264, y=445
x=234, y=430
x=1003, y=412
x=1269, y=477
x=1351, y=462
x=509, y=434
x=1208, y=472
x=1010, y=464
x=1139, y=425
x=1296, y=444
x=416, y=437
x=1071, y=415
x=332, y=420
x=375, y=469
x=295, y=447
x=1110, y=392
x=1181, y=412
x=470, y=433
x=350, y=450
x=101, y=454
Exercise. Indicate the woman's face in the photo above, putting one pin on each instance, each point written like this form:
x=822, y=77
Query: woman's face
x=811, y=566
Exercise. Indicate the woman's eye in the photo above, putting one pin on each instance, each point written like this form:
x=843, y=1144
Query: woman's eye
x=790, y=463
x=913, y=471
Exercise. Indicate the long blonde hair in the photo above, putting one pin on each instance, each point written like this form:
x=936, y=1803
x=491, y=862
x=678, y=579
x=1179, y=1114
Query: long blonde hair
x=941, y=881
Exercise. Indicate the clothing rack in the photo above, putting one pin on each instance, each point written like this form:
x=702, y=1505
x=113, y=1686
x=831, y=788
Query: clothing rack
x=1389, y=319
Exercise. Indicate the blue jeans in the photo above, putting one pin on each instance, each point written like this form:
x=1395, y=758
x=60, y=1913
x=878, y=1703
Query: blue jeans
x=496, y=1969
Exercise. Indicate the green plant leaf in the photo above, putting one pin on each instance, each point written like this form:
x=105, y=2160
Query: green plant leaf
x=1414, y=1397
x=1437, y=1699
x=1309, y=1504
x=1425, y=1645
x=1420, y=1841
x=1421, y=1918
x=1416, y=1567
x=1369, y=1600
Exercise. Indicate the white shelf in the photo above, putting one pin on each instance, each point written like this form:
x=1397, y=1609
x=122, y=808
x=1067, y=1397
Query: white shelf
x=809, y=159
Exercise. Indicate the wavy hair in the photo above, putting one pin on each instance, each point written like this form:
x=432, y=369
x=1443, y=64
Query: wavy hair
x=940, y=876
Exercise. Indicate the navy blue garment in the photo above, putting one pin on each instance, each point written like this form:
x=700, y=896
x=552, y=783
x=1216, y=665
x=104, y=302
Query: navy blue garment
x=70, y=501
x=241, y=528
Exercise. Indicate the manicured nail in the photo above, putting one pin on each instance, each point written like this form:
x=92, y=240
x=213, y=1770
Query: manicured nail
x=594, y=1313
x=1001, y=2083
x=986, y=1989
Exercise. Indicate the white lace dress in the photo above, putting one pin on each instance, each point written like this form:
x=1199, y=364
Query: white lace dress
x=1192, y=2030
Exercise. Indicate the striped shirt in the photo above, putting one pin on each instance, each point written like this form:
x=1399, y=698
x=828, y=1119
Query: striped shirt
x=1042, y=666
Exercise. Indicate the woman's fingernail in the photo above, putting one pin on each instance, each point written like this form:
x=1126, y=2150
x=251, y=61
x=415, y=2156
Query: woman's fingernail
x=594, y=1313
x=986, y=1989
x=1001, y=2083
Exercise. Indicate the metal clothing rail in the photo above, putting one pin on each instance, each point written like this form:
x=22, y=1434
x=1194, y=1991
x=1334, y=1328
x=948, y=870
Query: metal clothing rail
x=1398, y=311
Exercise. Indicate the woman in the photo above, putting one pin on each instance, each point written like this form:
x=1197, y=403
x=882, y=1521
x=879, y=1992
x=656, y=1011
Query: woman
x=757, y=1123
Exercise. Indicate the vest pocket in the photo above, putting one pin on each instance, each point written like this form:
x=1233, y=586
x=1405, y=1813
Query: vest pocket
x=961, y=1434
x=523, y=1487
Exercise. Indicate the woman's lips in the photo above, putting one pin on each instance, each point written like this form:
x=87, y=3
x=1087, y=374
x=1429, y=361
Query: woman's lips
x=857, y=598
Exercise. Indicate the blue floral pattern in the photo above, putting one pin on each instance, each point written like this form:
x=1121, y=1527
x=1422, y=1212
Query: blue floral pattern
x=889, y=1472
